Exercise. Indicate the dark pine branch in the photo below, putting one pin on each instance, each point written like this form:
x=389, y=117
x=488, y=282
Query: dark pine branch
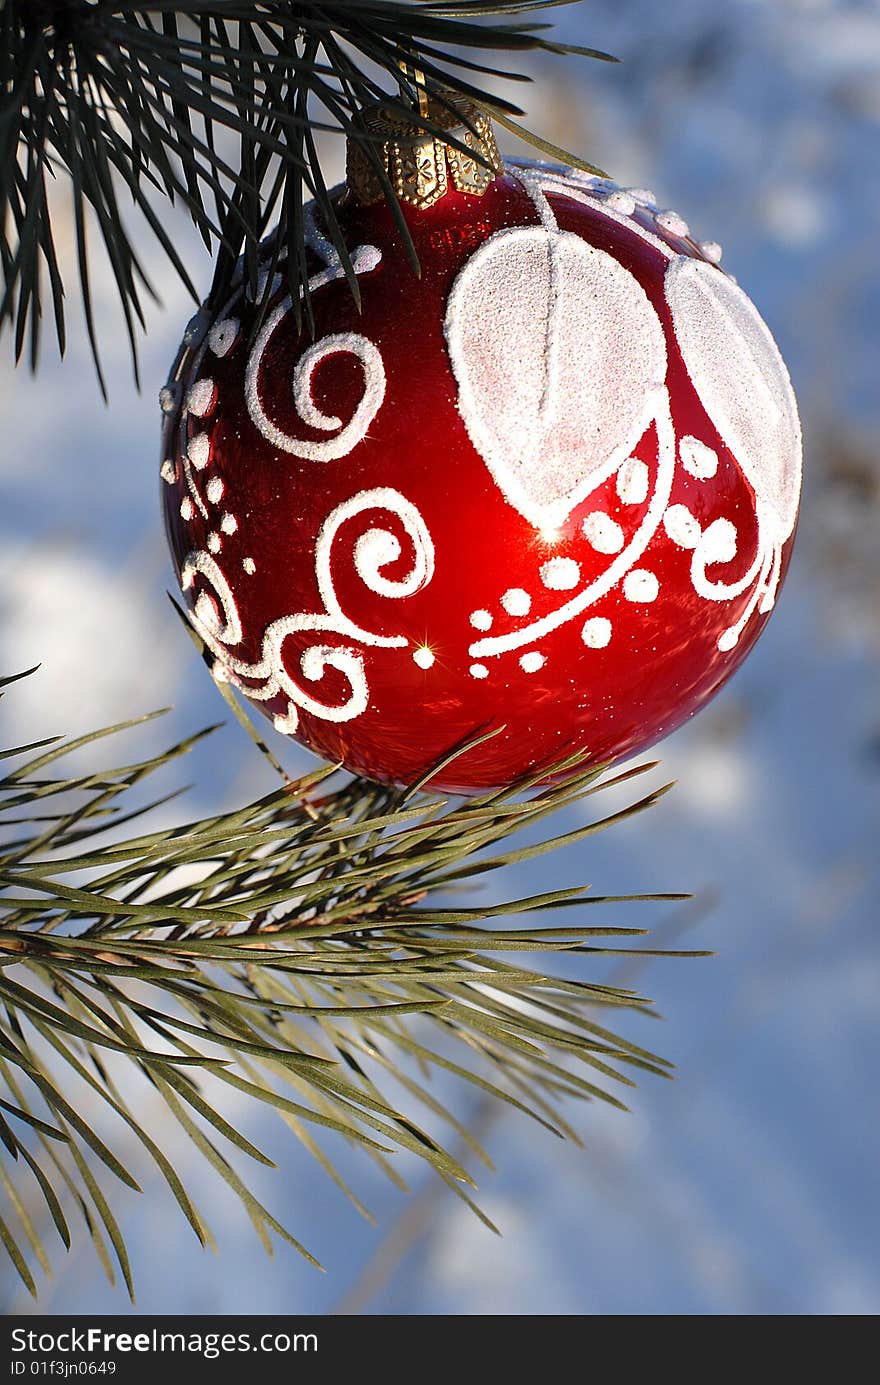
x=214, y=105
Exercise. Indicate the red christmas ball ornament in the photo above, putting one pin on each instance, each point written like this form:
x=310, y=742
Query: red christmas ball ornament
x=548, y=486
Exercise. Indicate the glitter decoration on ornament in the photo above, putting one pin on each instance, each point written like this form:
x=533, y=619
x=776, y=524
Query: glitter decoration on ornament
x=550, y=295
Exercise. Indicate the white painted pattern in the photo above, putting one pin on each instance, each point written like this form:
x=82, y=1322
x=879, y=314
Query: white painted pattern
x=207, y=613
x=622, y=202
x=168, y=397
x=569, y=377
x=200, y=397
x=682, y=527
x=551, y=296
x=365, y=259
x=221, y=339
x=350, y=434
x=743, y=384
x=633, y=482
x=496, y=645
x=223, y=335
x=602, y=532
x=199, y=451
x=596, y=633
x=516, y=602
x=288, y=723
x=540, y=342
x=536, y=290
x=541, y=179
x=697, y=458
x=229, y=632
x=270, y=675
x=560, y=574
x=640, y=585
x=674, y=224
x=531, y=662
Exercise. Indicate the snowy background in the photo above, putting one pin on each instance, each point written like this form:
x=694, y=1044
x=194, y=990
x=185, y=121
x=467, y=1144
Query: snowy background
x=750, y=1184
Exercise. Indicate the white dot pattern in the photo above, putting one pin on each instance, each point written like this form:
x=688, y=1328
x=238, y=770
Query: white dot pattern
x=207, y=613
x=697, y=459
x=516, y=602
x=640, y=585
x=632, y=482
x=200, y=397
x=199, y=451
x=622, y=202
x=681, y=526
x=560, y=574
x=674, y=224
x=719, y=542
x=603, y=532
x=596, y=633
x=531, y=662
x=222, y=336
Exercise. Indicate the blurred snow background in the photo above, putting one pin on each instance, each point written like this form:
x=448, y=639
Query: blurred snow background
x=750, y=1185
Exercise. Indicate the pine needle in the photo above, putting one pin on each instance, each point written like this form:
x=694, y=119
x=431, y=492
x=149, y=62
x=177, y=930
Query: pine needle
x=310, y=962
x=137, y=101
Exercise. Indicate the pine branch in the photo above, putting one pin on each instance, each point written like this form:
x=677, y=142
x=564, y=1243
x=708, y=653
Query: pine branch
x=212, y=104
x=300, y=950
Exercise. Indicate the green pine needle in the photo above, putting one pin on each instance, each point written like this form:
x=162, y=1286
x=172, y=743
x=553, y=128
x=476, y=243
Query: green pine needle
x=305, y=950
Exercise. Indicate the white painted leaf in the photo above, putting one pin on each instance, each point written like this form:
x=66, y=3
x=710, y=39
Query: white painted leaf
x=558, y=355
x=742, y=381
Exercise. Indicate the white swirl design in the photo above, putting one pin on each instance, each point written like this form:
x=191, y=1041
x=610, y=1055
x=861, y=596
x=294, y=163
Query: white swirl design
x=270, y=676
x=351, y=433
x=230, y=631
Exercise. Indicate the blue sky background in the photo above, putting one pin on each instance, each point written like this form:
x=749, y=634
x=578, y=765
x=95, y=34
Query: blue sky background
x=750, y=1184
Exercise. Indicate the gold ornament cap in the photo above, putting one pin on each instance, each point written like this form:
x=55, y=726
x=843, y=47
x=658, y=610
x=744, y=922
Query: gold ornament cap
x=421, y=166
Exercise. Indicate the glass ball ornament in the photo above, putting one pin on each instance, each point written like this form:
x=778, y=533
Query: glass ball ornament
x=548, y=488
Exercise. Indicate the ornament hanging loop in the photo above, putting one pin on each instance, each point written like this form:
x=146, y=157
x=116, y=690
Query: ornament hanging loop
x=417, y=77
